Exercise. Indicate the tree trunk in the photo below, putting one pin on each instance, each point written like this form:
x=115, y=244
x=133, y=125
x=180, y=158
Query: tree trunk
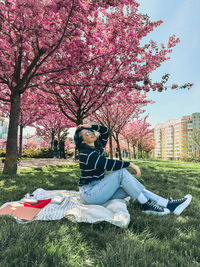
x=118, y=148
x=137, y=155
x=79, y=120
x=129, y=152
x=59, y=134
x=20, y=140
x=52, y=139
x=134, y=152
x=110, y=145
x=141, y=152
x=10, y=166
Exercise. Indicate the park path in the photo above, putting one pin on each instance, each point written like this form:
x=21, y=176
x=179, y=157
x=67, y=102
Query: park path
x=32, y=163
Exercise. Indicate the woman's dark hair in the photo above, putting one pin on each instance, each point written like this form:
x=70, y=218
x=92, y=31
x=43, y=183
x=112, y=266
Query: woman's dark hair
x=78, y=137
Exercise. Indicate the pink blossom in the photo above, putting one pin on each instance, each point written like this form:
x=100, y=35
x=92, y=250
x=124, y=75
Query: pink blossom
x=174, y=86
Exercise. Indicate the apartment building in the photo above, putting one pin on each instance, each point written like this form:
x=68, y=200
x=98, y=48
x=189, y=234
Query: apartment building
x=174, y=137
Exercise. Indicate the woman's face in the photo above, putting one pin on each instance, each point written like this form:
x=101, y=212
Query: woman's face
x=89, y=137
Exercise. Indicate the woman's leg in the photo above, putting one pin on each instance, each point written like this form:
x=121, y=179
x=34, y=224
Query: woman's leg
x=119, y=194
x=144, y=196
x=98, y=192
x=120, y=184
x=173, y=205
x=176, y=206
x=158, y=199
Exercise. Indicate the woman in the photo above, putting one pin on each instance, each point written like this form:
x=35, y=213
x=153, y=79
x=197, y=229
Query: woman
x=95, y=188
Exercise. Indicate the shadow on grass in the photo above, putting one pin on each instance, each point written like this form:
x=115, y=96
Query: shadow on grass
x=27, y=180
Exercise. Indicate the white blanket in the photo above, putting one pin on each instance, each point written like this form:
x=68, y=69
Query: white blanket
x=113, y=211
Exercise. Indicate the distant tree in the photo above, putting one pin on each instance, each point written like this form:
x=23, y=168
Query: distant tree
x=31, y=144
x=196, y=141
x=148, y=143
x=3, y=143
x=32, y=109
x=135, y=133
x=53, y=125
x=115, y=116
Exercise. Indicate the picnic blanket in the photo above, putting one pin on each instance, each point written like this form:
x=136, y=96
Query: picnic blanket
x=67, y=203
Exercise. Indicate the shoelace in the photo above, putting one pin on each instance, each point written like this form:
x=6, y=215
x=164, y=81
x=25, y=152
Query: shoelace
x=176, y=200
x=155, y=206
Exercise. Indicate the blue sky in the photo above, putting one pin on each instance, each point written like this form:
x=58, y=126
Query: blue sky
x=180, y=17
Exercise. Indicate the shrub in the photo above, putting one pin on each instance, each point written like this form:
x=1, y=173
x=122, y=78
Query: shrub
x=2, y=152
x=37, y=153
x=32, y=153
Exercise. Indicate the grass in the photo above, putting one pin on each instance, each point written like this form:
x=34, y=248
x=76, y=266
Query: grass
x=148, y=241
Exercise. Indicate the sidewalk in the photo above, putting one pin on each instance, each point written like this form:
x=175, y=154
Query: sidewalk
x=31, y=163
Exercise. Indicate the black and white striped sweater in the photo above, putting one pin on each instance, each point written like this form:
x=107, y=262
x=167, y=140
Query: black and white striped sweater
x=93, y=163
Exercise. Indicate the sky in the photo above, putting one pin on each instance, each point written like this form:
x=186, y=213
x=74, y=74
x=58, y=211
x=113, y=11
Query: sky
x=180, y=17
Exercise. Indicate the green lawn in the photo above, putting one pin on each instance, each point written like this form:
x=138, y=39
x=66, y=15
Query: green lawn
x=148, y=241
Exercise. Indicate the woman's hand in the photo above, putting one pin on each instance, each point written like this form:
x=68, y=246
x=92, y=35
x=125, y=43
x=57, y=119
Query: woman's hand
x=84, y=126
x=136, y=169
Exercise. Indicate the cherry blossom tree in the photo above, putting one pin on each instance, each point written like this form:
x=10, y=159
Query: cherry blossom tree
x=3, y=143
x=116, y=115
x=135, y=133
x=128, y=136
x=43, y=143
x=70, y=147
x=31, y=110
x=114, y=61
x=51, y=125
x=31, y=144
x=122, y=144
x=68, y=144
x=34, y=36
x=127, y=113
x=78, y=51
x=195, y=138
x=148, y=143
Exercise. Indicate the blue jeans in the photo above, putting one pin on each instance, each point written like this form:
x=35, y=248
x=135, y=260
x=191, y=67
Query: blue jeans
x=117, y=185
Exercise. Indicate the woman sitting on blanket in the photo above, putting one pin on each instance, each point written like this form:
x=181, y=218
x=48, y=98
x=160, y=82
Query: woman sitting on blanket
x=95, y=188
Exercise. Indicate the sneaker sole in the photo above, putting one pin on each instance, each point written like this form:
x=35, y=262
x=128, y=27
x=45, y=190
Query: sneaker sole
x=184, y=205
x=165, y=212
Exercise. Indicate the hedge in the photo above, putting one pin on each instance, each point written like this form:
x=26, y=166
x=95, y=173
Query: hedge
x=32, y=153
